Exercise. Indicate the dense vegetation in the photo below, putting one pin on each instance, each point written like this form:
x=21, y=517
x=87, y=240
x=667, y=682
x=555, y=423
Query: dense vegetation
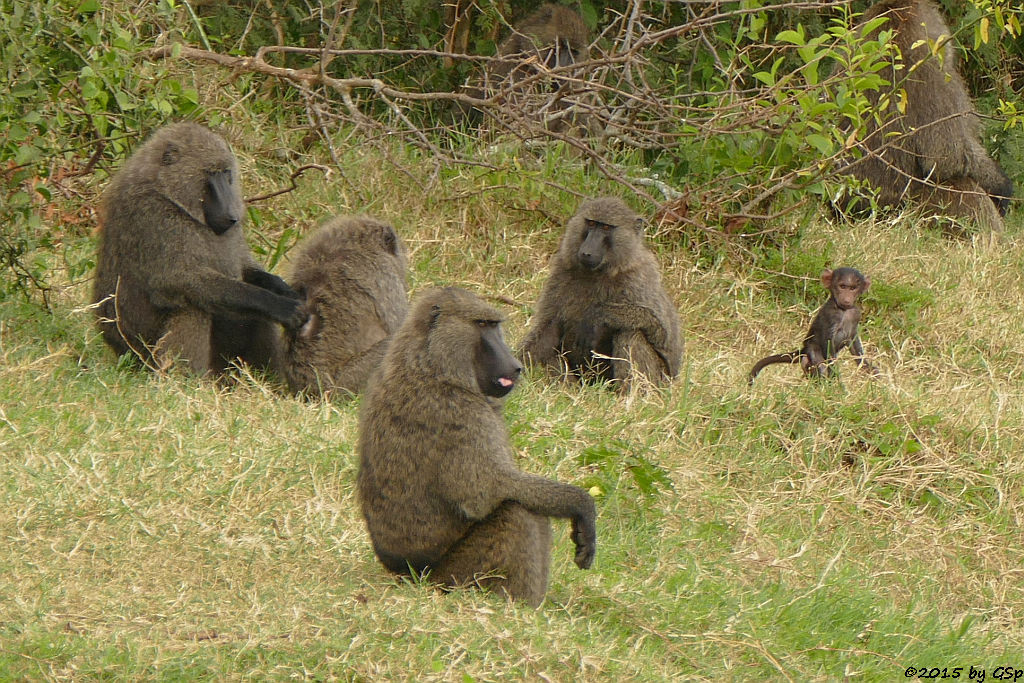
x=166, y=527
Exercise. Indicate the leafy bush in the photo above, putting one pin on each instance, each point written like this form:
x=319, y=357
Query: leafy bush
x=77, y=97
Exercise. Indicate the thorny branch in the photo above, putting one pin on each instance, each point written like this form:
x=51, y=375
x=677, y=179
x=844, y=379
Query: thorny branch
x=636, y=93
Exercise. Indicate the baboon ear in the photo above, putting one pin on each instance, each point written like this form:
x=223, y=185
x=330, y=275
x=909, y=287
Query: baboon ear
x=867, y=283
x=311, y=328
x=389, y=239
x=639, y=225
x=826, y=278
x=171, y=154
x=435, y=313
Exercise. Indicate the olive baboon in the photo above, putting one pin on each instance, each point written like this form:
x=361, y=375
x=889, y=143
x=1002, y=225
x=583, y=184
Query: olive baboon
x=174, y=277
x=834, y=328
x=553, y=36
x=603, y=311
x=932, y=153
x=438, y=483
x=351, y=276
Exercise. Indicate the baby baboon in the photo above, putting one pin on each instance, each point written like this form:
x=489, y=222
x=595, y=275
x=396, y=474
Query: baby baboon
x=932, y=153
x=834, y=328
x=174, y=277
x=603, y=311
x=437, y=482
x=351, y=275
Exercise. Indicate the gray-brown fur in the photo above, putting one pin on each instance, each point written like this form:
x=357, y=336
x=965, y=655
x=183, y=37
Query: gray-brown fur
x=174, y=277
x=833, y=329
x=438, y=483
x=552, y=36
x=351, y=275
x=932, y=154
x=616, y=307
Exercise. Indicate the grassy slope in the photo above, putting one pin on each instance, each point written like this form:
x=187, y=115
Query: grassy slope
x=161, y=527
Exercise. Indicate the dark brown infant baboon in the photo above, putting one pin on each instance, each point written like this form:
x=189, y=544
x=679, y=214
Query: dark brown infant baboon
x=932, y=153
x=603, y=312
x=351, y=276
x=438, y=483
x=174, y=276
x=834, y=328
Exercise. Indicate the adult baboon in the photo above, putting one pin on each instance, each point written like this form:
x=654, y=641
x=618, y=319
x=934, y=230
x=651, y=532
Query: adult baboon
x=603, y=311
x=833, y=329
x=438, y=483
x=174, y=277
x=351, y=276
x=553, y=36
x=931, y=153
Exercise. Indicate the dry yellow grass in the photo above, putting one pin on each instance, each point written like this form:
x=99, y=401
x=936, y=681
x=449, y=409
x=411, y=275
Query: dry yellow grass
x=163, y=527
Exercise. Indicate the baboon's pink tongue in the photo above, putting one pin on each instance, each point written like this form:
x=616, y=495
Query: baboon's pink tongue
x=505, y=381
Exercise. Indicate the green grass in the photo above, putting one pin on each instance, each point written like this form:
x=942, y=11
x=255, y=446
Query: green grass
x=163, y=527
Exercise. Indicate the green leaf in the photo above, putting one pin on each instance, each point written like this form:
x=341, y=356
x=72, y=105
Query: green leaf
x=793, y=37
x=820, y=143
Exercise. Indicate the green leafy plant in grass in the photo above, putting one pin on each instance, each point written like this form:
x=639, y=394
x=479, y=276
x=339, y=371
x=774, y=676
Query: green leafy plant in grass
x=612, y=461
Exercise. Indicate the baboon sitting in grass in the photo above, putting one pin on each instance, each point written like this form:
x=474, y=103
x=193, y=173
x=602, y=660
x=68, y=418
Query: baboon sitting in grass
x=603, y=312
x=351, y=277
x=438, y=483
x=174, y=276
x=927, y=148
x=833, y=328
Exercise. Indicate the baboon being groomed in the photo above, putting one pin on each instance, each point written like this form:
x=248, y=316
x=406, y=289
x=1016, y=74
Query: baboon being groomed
x=931, y=153
x=603, y=312
x=351, y=276
x=438, y=484
x=174, y=277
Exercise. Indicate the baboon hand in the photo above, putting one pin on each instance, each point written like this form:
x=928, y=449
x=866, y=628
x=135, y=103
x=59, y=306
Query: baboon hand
x=584, y=535
x=270, y=282
x=589, y=335
x=294, y=315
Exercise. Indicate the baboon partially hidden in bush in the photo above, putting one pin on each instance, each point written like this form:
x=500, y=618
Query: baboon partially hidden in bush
x=603, y=311
x=551, y=37
x=351, y=276
x=174, y=276
x=931, y=153
x=438, y=484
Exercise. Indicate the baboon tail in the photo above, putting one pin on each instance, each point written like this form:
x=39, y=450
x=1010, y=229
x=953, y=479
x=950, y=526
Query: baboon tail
x=792, y=357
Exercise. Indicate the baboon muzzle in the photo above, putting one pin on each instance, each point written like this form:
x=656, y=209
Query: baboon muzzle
x=218, y=211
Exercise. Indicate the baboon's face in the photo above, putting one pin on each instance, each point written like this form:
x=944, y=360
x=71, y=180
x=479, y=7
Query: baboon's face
x=562, y=54
x=846, y=285
x=596, y=244
x=1003, y=194
x=497, y=370
x=220, y=208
